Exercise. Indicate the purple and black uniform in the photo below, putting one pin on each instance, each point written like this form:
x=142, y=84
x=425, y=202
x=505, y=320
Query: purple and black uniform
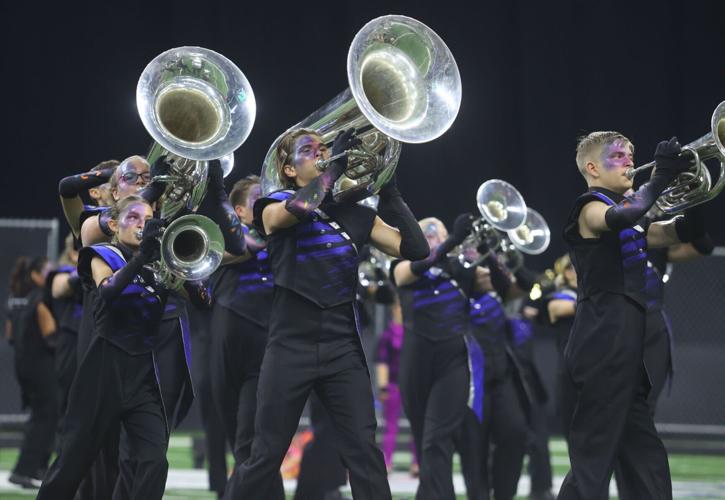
x=117, y=381
x=314, y=344
x=605, y=389
x=240, y=318
x=434, y=372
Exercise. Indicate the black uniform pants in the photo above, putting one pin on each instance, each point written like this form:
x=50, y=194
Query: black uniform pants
x=504, y=425
x=321, y=469
x=311, y=348
x=65, y=367
x=36, y=377
x=434, y=389
x=237, y=350
x=606, y=406
x=112, y=386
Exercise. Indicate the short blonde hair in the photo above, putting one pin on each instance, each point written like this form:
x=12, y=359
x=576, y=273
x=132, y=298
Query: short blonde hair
x=592, y=143
x=432, y=221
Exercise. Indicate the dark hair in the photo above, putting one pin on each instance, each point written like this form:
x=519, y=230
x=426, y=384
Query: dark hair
x=240, y=191
x=106, y=164
x=21, y=282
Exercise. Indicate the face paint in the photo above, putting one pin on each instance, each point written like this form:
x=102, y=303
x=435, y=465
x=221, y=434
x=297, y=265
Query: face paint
x=617, y=155
x=132, y=221
x=308, y=147
x=133, y=167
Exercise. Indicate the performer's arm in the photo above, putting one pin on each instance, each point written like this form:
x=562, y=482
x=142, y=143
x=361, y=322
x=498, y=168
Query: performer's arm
x=687, y=228
x=111, y=285
x=70, y=189
x=407, y=240
x=46, y=322
x=65, y=285
x=407, y=271
x=306, y=199
x=560, y=308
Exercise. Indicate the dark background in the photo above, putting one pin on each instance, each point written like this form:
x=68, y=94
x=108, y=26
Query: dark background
x=536, y=75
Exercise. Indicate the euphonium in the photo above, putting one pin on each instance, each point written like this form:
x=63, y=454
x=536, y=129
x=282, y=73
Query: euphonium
x=695, y=186
x=192, y=248
x=404, y=86
x=198, y=106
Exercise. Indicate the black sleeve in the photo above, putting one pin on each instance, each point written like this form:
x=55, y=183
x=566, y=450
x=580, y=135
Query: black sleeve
x=630, y=210
x=500, y=277
x=419, y=267
x=395, y=212
x=112, y=287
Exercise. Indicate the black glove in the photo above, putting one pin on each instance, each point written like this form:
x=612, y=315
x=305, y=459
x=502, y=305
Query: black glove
x=215, y=177
x=344, y=141
x=669, y=159
x=461, y=228
x=691, y=227
x=151, y=242
x=483, y=247
x=160, y=167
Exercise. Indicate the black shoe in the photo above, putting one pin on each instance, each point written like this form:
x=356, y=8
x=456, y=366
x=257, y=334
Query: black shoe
x=24, y=481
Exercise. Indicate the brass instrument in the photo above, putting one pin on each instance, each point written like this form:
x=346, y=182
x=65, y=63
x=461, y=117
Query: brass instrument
x=192, y=248
x=198, y=106
x=695, y=186
x=404, y=86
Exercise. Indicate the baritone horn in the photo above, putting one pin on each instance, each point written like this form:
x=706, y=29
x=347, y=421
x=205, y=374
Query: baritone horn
x=192, y=248
x=695, y=186
x=197, y=105
x=404, y=86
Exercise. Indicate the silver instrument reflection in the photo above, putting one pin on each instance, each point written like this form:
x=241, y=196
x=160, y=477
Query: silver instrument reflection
x=695, y=186
x=192, y=248
x=198, y=106
x=404, y=86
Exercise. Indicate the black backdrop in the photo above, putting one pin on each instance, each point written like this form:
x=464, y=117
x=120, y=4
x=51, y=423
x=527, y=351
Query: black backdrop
x=535, y=76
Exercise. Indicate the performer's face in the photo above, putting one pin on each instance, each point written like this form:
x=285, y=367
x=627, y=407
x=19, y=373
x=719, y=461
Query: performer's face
x=308, y=150
x=132, y=176
x=613, y=163
x=433, y=234
x=131, y=223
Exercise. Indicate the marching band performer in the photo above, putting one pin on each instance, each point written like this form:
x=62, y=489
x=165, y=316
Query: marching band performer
x=242, y=297
x=30, y=328
x=118, y=374
x=434, y=374
x=606, y=382
x=313, y=335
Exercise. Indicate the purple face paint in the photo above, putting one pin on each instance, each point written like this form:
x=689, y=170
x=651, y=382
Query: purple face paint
x=619, y=154
x=308, y=147
x=132, y=221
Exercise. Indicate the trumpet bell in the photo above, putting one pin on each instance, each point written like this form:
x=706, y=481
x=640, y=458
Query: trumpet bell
x=192, y=248
x=533, y=236
x=501, y=204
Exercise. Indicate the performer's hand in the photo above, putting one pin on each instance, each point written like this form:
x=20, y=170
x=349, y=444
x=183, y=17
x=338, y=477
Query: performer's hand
x=483, y=247
x=151, y=242
x=345, y=141
x=160, y=167
x=462, y=227
x=669, y=160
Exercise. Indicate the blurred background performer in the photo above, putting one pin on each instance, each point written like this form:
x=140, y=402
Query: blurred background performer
x=29, y=328
x=63, y=287
x=434, y=373
x=607, y=386
x=242, y=298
